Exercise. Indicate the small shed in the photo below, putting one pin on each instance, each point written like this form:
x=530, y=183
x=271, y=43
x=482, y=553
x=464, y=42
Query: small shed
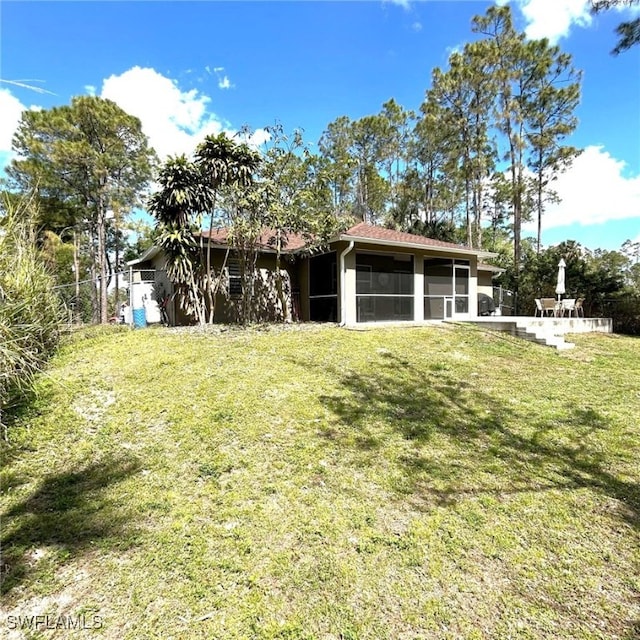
x=149, y=286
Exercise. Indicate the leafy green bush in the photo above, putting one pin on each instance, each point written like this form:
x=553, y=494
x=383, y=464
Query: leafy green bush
x=29, y=307
x=625, y=312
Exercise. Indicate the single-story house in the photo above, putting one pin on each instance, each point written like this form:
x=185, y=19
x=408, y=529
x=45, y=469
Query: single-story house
x=366, y=274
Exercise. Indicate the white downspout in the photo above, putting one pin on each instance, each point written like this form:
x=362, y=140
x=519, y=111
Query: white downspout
x=343, y=308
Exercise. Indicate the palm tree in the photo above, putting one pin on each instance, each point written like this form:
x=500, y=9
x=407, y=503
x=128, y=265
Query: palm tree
x=183, y=198
x=222, y=163
x=441, y=229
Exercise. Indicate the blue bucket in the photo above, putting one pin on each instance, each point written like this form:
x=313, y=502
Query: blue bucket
x=139, y=318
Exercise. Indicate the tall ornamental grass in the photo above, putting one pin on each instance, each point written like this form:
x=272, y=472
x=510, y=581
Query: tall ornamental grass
x=29, y=307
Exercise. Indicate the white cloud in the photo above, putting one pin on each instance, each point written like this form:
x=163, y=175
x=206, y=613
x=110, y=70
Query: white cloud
x=455, y=48
x=553, y=19
x=11, y=109
x=417, y=26
x=175, y=121
x=90, y=89
x=405, y=4
x=256, y=138
x=223, y=79
x=594, y=190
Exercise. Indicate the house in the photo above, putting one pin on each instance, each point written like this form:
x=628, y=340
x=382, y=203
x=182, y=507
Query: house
x=486, y=274
x=366, y=274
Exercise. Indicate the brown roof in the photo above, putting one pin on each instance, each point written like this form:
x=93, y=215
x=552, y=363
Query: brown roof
x=373, y=232
x=361, y=231
x=483, y=266
x=294, y=241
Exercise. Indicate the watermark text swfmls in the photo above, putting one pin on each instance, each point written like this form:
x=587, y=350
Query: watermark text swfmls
x=44, y=622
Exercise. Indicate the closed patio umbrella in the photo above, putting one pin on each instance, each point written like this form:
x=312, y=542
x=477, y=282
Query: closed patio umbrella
x=560, y=289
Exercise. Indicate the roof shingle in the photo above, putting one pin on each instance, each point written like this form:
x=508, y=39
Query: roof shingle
x=373, y=232
x=362, y=231
x=294, y=241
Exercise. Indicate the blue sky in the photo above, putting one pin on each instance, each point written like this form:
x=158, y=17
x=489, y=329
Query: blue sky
x=191, y=68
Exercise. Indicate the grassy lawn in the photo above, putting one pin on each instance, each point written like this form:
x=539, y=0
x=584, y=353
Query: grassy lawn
x=435, y=482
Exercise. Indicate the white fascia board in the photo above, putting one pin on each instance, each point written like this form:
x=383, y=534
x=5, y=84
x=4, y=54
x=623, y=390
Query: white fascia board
x=149, y=254
x=491, y=267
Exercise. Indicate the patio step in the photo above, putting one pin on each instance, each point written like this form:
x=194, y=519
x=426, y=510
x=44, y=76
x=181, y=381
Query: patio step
x=542, y=337
x=544, y=331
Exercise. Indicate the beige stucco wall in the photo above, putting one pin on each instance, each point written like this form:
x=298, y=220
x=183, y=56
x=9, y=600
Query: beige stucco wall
x=227, y=310
x=347, y=285
x=267, y=305
x=473, y=287
x=485, y=283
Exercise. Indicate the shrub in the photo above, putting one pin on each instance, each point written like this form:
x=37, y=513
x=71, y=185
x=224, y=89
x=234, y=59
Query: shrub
x=29, y=307
x=625, y=312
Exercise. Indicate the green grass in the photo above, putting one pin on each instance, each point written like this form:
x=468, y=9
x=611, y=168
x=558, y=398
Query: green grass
x=437, y=482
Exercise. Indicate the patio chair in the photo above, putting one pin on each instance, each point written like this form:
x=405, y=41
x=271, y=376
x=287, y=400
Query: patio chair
x=568, y=306
x=549, y=307
x=539, y=310
x=579, y=308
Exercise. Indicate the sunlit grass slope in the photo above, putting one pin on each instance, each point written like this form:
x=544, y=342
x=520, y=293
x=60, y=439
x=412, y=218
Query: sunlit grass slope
x=436, y=482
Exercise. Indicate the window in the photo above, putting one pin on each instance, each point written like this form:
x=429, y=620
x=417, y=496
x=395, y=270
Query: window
x=235, y=279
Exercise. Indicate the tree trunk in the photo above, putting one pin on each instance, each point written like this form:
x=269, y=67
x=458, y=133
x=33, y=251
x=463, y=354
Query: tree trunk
x=208, y=282
x=539, y=202
x=117, y=265
x=102, y=260
x=517, y=219
x=279, y=285
x=516, y=201
x=251, y=307
x=95, y=296
x=216, y=286
x=477, y=203
x=467, y=191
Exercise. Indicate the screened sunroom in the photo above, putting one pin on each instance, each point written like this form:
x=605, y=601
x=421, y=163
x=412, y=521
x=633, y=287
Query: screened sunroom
x=384, y=287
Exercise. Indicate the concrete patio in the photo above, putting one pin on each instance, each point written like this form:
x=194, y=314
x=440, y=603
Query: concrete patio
x=547, y=331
